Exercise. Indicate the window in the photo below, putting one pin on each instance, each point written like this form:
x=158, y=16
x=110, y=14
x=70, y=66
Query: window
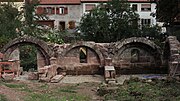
x=61, y=25
x=134, y=55
x=145, y=7
x=89, y=7
x=49, y=10
x=134, y=7
x=71, y=25
x=83, y=55
x=40, y=10
x=62, y=10
x=145, y=22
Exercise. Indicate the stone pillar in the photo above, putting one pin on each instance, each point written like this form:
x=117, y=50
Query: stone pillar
x=53, y=60
x=108, y=61
x=40, y=60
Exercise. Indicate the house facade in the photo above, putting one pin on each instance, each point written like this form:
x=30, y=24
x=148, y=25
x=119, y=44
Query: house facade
x=146, y=10
x=66, y=14
x=63, y=14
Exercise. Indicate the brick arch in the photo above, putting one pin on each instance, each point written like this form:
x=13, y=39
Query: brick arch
x=140, y=42
x=90, y=45
x=41, y=46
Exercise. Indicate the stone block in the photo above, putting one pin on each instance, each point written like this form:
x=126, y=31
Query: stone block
x=8, y=76
x=33, y=76
x=57, y=78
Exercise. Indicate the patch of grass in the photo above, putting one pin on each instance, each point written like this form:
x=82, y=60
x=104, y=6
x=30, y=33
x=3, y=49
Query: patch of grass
x=63, y=93
x=40, y=97
x=44, y=86
x=21, y=87
x=69, y=93
x=144, y=90
x=15, y=85
x=60, y=97
x=75, y=97
x=67, y=89
x=2, y=98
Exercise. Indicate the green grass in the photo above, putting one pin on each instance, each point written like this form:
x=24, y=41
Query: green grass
x=51, y=97
x=68, y=89
x=40, y=97
x=65, y=93
x=22, y=87
x=2, y=98
x=143, y=90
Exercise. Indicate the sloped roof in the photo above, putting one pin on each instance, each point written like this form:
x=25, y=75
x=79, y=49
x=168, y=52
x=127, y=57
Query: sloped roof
x=60, y=1
x=110, y=0
x=94, y=0
x=11, y=0
x=141, y=0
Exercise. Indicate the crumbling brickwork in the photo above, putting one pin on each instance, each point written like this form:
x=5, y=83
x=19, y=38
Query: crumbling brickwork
x=132, y=55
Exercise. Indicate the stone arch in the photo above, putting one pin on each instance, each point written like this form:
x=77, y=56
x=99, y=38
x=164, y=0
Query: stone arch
x=70, y=60
x=90, y=45
x=41, y=46
x=147, y=46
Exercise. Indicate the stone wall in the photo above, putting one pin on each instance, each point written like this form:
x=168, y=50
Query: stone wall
x=172, y=55
x=132, y=55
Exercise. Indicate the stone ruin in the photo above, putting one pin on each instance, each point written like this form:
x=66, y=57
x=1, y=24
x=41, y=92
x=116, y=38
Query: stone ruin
x=128, y=56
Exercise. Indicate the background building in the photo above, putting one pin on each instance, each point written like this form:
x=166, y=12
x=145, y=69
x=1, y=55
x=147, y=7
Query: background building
x=66, y=14
x=63, y=14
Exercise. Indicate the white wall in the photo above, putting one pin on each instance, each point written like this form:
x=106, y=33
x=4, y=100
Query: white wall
x=146, y=14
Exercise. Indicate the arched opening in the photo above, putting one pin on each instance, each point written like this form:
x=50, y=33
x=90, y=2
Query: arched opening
x=28, y=57
x=83, y=54
x=81, y=60
x=71, y=24
x=137, y=58
x=39, y=50
x=134, y=55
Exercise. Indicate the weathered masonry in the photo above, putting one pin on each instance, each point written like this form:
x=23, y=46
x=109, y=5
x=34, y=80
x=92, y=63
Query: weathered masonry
x=132, y=55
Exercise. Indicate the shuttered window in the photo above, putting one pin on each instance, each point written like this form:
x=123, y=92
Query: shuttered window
x=89, y=7
x=39, y=10
x=145, y=7
x=61, y=10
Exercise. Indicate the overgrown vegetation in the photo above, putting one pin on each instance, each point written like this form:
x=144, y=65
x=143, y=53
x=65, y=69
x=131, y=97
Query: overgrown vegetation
x=144, y=90
x=9, y=23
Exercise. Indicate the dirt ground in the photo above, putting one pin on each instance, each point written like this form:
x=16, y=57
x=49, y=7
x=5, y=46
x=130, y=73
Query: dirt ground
x=18, y=94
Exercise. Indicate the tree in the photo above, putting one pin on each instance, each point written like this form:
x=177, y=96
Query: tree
x=10, y=22
x=110, y=22
x=31, y=27
x=167, y=10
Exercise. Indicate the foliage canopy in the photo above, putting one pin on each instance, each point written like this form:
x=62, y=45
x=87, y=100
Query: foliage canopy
x=110, y=22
